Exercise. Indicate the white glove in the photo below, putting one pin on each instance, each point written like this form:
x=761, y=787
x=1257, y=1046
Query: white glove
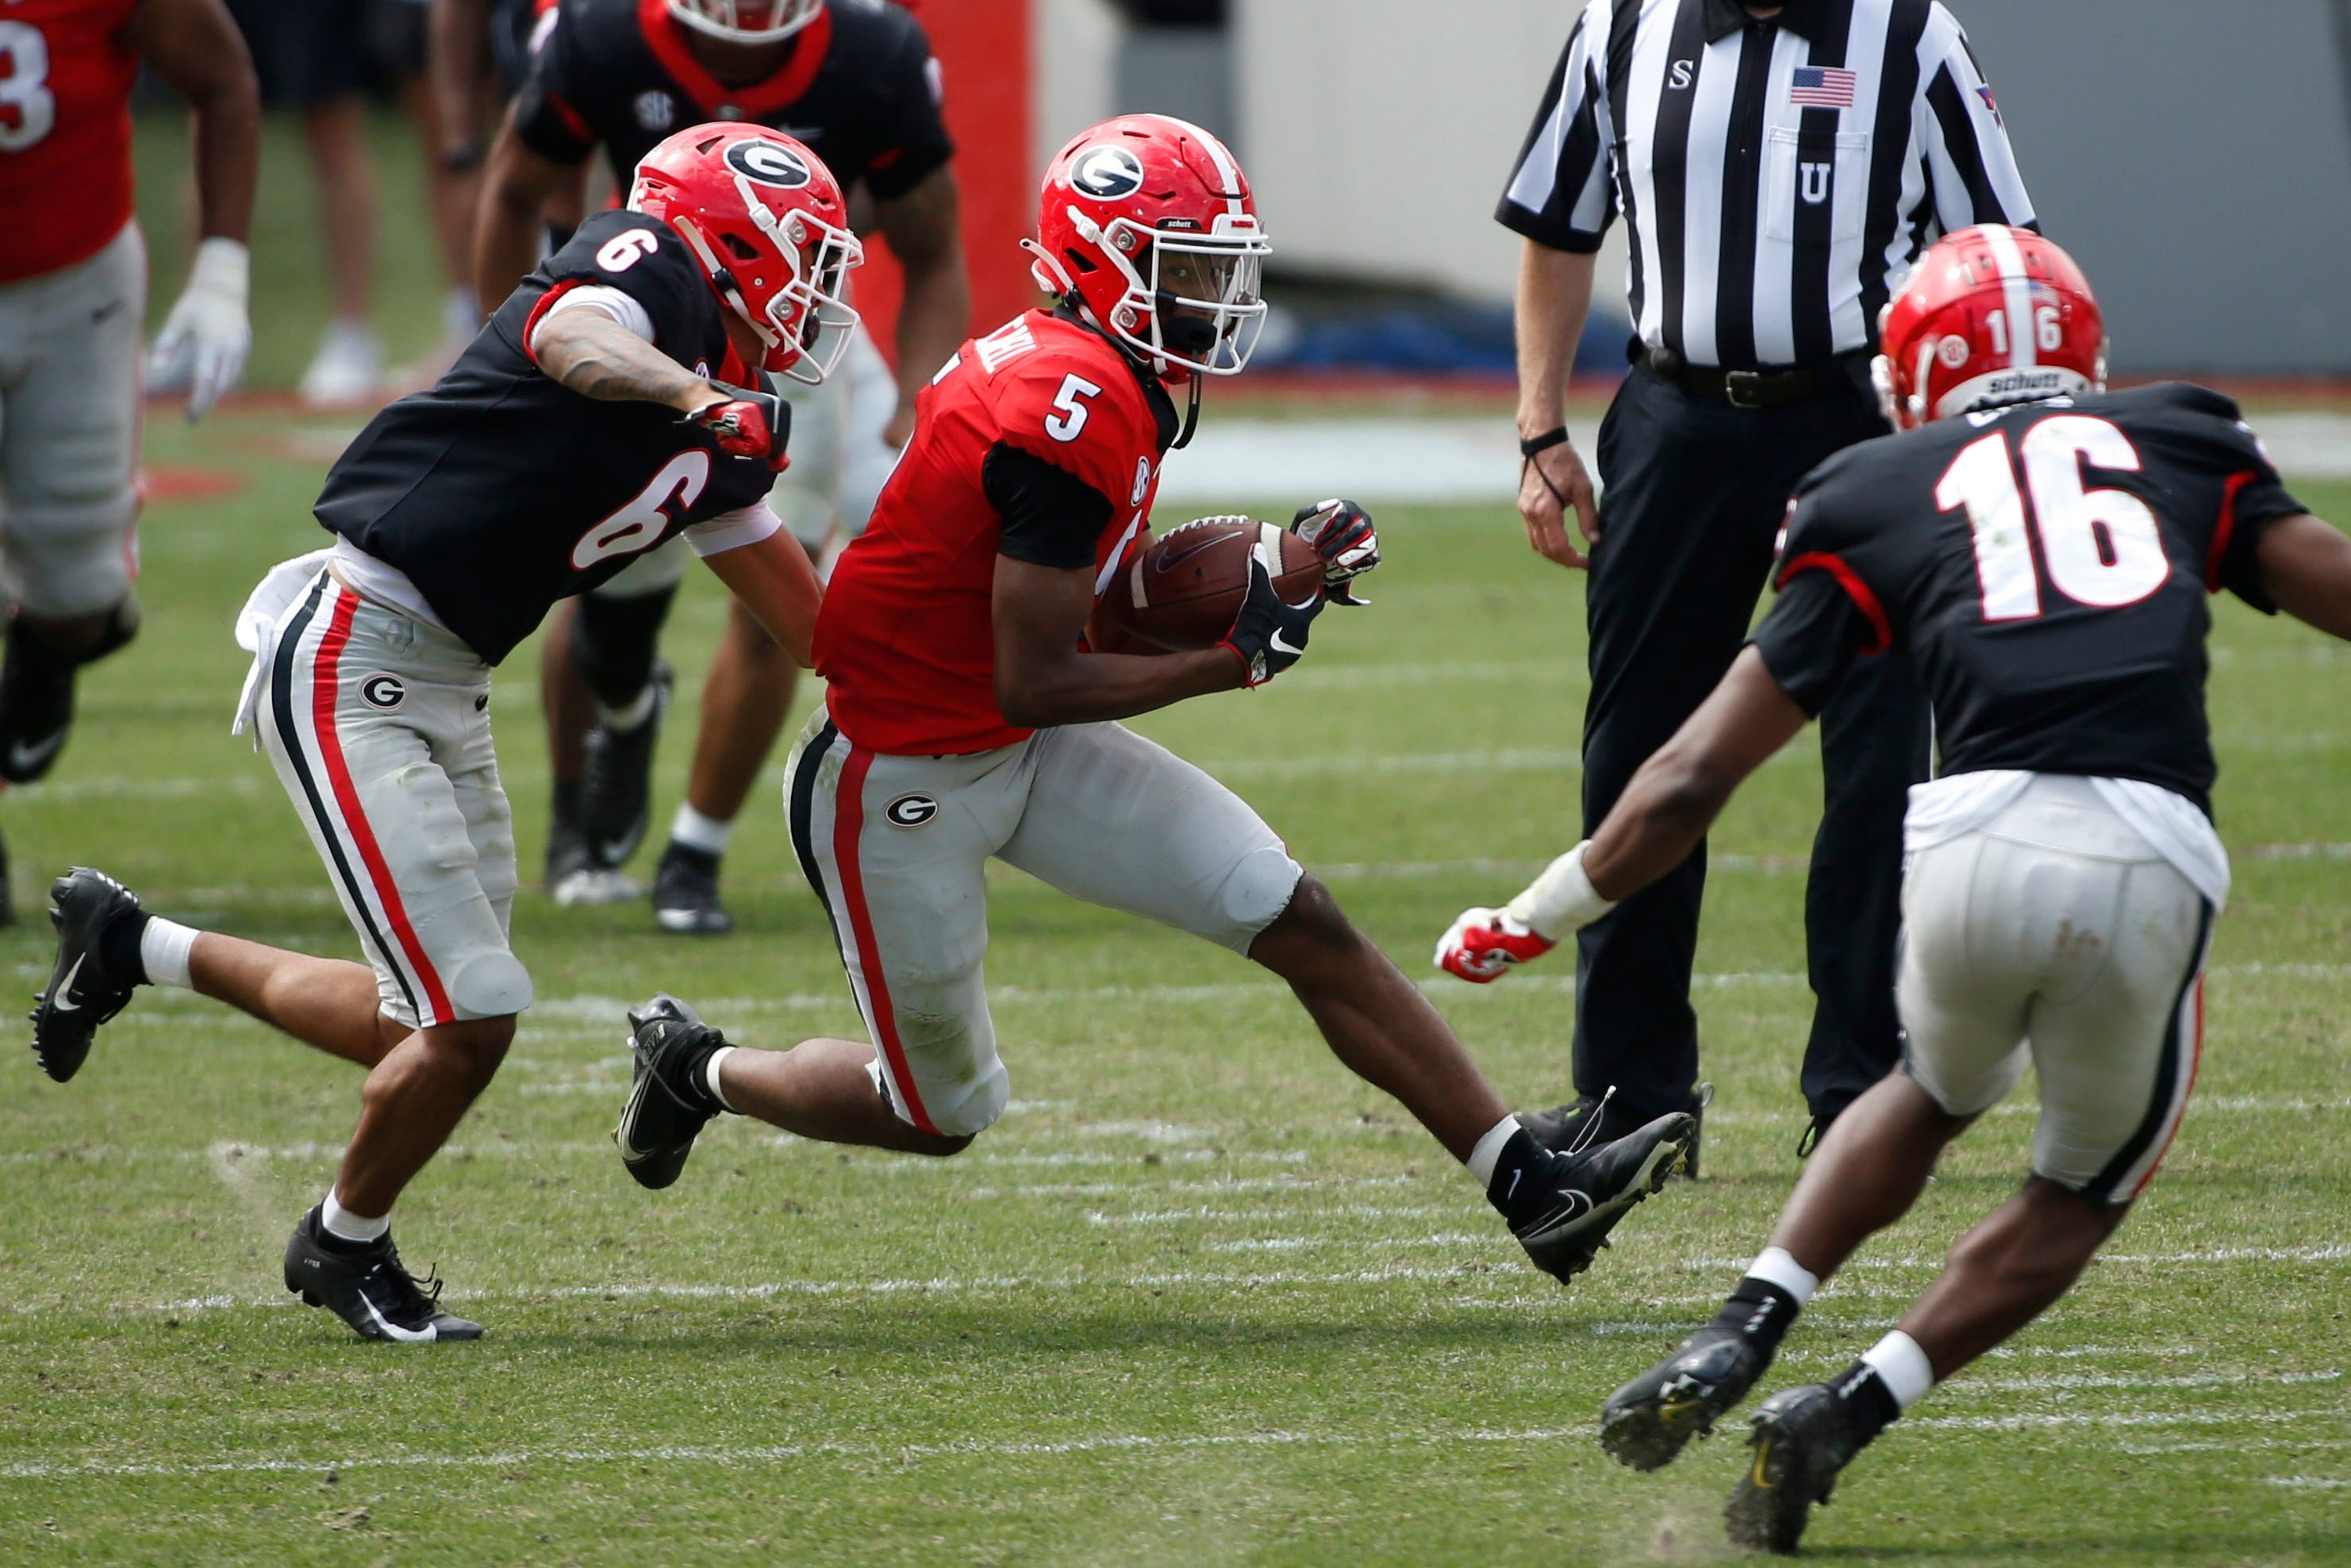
x=202, y=346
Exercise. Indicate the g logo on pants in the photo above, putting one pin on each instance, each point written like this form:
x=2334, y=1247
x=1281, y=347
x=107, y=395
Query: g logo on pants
x=910, y=810
x=382, y=690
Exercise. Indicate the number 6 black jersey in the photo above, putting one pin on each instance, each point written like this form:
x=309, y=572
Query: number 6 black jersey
x=2045, y=568
x=500, y=490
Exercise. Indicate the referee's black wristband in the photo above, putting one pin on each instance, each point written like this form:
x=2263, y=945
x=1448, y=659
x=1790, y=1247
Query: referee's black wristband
x=1533, y=445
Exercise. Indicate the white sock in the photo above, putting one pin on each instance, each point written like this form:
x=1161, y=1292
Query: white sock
x=697, y=831
x=163, y=949
x=344, y=1226
x=1775, y=1266
x=1902, y=1367
x=710, y=1075
x=631, y=713
x=1482, y=1158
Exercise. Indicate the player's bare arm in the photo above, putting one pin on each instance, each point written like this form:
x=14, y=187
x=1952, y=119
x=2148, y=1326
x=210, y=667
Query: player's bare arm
x=194, y=46
x=515, y=186
x=925, y=235
x=775, y=580
x=2306, y=568
x=1043, y=677
x=1554, y=295
x=596, y=357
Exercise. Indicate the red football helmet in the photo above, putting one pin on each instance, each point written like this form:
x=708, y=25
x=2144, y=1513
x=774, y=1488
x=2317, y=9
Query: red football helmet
x=1149, y=222
x=1990, y=315
x=747, y=21
x=766, y=219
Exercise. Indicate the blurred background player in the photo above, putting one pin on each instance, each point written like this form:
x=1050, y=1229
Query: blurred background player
x=73, y=302
x=2041, y=553
x=461, y=516
x=858, y=82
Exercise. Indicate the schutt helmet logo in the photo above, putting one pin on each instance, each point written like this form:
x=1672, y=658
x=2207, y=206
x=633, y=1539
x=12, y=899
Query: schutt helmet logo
x=911, y=810
x=1107, y=174
x=770, y=163
x=382, y=690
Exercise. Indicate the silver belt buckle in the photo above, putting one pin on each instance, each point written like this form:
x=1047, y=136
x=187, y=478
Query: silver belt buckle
x=1743, y=389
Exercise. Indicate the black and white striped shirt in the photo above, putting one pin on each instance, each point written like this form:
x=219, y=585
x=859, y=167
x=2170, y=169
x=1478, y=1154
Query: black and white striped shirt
x=1778, y=176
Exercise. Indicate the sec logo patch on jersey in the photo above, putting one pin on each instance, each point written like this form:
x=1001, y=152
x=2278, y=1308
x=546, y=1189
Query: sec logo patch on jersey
x=1141, y=481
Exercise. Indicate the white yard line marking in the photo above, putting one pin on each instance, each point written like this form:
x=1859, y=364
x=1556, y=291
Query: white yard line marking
x=2323, y=1482
x=779, y=1452
x=2068, y=1381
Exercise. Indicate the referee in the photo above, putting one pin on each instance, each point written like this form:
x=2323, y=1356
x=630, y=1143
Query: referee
x=1779, y=169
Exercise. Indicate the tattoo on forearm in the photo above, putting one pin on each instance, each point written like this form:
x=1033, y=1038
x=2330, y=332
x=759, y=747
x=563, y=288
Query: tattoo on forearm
x=599, y=357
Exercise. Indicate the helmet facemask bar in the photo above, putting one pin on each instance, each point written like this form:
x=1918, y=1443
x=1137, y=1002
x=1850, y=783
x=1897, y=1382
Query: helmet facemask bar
x=1203, y=297
x=812, y=313
x=724, y=19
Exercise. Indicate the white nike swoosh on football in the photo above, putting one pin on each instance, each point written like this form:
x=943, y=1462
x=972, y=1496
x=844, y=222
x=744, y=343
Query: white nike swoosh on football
x=425, y=1335
x=22, y=756
x=61, y=996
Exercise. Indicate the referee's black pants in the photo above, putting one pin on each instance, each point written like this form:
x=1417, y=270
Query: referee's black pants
x=1693, y=494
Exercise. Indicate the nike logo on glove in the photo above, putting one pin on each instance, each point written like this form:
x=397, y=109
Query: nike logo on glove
x=1281, y=645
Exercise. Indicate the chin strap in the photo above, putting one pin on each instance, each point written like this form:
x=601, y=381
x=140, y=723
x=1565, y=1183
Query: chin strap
x=1191, y=416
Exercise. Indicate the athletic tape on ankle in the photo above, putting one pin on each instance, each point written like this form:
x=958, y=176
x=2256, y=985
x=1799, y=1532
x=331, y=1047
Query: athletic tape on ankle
x=697, y=831
x=164, y=947
x=710, y=1074
x=1489, y=1152
x=1562, y=899
x=1777, y=1266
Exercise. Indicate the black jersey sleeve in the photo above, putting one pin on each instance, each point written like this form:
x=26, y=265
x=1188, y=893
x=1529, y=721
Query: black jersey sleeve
x=1811, y=637
x=545, y=118
x=644, y=258
x=913, y=138
x=2253, y=497
x=1051, y=517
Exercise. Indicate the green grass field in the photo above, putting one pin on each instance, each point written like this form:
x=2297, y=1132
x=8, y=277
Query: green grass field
x=1200, y=1296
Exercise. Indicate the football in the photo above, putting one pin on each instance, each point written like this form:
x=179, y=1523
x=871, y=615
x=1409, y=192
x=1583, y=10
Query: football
x=1181, y=591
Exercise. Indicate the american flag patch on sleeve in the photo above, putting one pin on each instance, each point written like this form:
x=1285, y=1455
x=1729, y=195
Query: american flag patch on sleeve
x=1822, y=87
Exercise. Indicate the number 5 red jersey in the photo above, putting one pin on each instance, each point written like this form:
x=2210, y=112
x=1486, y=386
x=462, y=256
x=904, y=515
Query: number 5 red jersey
x=66, y=73
x=905, y=639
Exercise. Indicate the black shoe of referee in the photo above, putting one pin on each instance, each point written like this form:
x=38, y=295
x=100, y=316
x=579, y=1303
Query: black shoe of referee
x=1595, y=1189
x=84, y=991
x=364, y=1283
x=616, y=785
x=669, y=1103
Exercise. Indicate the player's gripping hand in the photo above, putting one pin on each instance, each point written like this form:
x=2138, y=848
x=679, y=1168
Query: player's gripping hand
x=747, y=423
x=1341, y=532
x=1269, y=635
x=201, y=348
x=1486, y=944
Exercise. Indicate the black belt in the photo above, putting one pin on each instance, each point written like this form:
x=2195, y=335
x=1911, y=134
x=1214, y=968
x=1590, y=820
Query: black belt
x=1774, y=388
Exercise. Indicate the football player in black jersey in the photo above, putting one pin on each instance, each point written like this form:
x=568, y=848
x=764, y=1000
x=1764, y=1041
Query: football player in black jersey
x=856, y=80
x=2041, y=550
x=619, y=399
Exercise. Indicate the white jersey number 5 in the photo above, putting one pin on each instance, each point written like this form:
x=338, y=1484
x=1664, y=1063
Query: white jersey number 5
x=27, y=107
x=2099, y=547
x=1071, y=419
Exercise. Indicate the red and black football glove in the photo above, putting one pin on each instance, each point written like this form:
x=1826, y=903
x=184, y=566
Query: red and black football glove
x=749, y=424
x=1341, y=532
x=1269, y=635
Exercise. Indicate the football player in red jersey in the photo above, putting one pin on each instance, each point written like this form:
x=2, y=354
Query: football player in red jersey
x=965, y=720
x=2043, y=550
x=856, y=80
x=73, y=295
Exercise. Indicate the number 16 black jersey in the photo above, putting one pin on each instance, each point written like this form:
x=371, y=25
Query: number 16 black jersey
x=500, y=490
x=2045, y=566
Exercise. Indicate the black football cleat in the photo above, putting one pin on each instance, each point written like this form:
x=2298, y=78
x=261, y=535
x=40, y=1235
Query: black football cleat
x=1597, y=1118
x=686, y=894
x=369, y=1288
x=668, y=1103
x=83, y=992
x=1601, y=1186
x=616, y=787
x=1645, y=1424
x=1802, y=1439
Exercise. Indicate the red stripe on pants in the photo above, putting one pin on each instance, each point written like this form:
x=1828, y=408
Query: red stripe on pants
x=323, y=688
x=848, y=824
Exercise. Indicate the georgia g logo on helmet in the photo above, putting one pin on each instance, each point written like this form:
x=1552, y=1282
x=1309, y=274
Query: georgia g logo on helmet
x=1107, y=174
x=770, y=163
